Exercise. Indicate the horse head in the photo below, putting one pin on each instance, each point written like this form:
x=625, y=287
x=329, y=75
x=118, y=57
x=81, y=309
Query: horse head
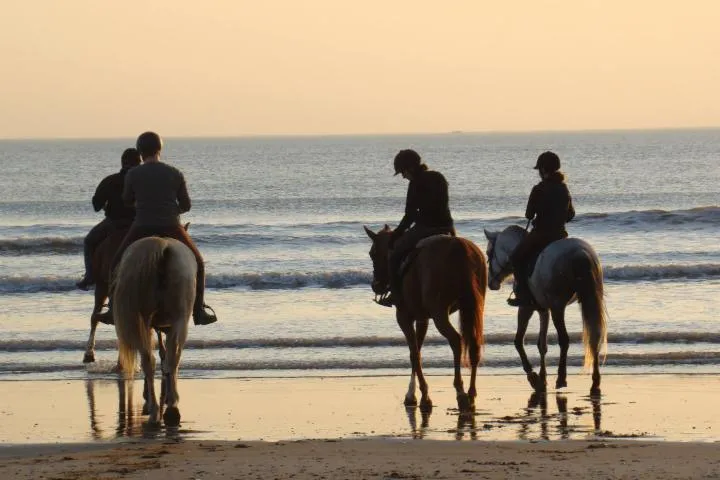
x=379, y=254
x=500, y=246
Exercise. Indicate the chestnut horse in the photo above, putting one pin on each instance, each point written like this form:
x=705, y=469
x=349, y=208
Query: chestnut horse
x=154, y=288
x=448, y=274
x=566, y=270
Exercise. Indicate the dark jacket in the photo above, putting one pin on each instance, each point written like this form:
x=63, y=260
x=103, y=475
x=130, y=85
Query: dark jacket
x=427, y=202
x=550, y=204
x=108, y=196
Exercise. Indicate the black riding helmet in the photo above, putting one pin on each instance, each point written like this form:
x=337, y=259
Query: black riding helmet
x=548, y=161
x=407, y=160
x=148, y=144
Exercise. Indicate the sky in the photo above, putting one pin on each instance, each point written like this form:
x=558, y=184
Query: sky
x=84, y=68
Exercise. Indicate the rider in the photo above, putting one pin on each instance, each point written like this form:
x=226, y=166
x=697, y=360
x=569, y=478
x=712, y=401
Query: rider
x=160, y=195
x=108, y=196
x=549, y=207
x=426, y=213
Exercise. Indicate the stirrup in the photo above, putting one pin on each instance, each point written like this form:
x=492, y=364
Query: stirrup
x=84, y=283
x=385, y=300
x=516, y=302
x=201, y=317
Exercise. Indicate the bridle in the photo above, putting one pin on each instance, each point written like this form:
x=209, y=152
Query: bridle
x=502, y=270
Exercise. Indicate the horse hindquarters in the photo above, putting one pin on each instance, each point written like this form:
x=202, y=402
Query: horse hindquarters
x=134, y=300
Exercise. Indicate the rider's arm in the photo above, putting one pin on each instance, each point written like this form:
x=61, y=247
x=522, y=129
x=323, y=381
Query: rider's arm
x=571, y=209
x=100, y=198
x=411, y=209
x=183, y=197
x=531, y=209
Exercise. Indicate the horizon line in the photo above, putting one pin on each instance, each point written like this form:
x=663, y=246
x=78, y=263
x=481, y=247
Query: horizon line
x=391, y=134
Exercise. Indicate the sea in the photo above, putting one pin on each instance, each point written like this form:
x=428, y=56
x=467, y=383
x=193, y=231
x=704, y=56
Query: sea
x=279, y=221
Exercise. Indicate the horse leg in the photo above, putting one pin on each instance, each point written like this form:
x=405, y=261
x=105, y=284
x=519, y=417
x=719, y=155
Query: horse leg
x=523, y=318
x=442, y=323
x=172, y=360
x=421, y=327
x=100, y=295
x=542, y=348
x=151, y=406
x=405, y=321
x=558, y=318
x=163, y=367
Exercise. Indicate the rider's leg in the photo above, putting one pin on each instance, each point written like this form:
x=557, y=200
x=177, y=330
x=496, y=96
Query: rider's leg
x=200, y=315
x=519, y=259
x=96, y=235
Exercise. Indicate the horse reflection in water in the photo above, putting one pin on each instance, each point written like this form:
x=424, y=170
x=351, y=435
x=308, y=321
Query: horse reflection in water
x=154, y=289
x=536, y=413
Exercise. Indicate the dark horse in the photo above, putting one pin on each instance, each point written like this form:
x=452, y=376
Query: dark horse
x=566, y=270
x=101, y=262
x=448, y=274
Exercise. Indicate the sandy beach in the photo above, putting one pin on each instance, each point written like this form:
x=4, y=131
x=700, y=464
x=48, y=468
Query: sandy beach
x=643, y=426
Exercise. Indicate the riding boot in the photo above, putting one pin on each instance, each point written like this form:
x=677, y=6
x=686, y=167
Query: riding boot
x=395, y=286
x=85, y=282
x=202, y=317
x=523, y=295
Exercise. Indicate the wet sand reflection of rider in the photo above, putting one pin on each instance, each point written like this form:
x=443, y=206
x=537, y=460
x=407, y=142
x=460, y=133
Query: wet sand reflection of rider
x=427, y=213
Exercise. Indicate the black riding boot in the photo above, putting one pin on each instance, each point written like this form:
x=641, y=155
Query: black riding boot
x=395, y=284
x=523, y=295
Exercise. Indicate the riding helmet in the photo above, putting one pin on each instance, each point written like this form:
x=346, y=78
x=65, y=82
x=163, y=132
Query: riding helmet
x=406, y=160
x=548, y=161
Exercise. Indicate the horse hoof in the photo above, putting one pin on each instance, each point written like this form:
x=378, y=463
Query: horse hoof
x=172, y=417
x=89, y=358
x=464, y=403
x=560, y=383
x=595, y=392
x=426, y=405
x=536, y=382
x=410, y=402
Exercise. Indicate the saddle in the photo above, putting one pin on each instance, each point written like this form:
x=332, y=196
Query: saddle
x=412, y=254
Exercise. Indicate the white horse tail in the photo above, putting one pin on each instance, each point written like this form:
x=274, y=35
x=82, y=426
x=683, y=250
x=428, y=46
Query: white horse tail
x=471, y=300
x=136, y=298
x=590, y=292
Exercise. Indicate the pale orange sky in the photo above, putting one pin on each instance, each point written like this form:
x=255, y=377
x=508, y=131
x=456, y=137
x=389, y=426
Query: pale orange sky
x=184, y=67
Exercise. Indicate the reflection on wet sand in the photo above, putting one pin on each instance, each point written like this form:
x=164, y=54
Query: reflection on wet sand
x=534, y=422
x=129, y=419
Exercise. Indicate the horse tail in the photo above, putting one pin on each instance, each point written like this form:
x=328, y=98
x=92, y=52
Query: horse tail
x=471, y=301
x=135, y=299
x=590, y=292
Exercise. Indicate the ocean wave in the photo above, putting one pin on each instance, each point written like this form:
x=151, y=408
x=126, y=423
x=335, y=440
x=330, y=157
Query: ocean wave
x=349, y=278
x=367, y=363
x=631, y=338
x=38, y=239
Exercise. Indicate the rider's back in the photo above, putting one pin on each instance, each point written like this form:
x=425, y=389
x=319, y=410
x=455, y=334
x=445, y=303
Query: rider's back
x=551, y=204
x=430, y=196
x=159, y=193
x=108, y=196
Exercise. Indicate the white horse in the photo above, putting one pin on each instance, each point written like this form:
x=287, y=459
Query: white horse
x=154, y=288
x=566, y=270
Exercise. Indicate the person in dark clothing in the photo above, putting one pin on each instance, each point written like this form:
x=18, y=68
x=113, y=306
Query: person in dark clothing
x=550, y=208
x=160, y=195
x=427, y=212
x=108, y=196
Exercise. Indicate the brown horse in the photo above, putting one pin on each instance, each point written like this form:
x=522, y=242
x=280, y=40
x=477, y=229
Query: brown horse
x=101, y=262
x=448, y=274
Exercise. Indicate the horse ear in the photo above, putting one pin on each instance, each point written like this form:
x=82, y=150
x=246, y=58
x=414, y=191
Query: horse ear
x=370, y=233
x=387, y=227
x=490, y=235
x=186, y=226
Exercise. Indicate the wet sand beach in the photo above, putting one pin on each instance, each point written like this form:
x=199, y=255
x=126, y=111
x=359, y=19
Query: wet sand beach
x=643, y=426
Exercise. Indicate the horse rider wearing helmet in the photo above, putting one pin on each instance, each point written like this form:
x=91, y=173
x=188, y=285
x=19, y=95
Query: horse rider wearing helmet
x=549, y=207
x=160, y=195
x=427, y=213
